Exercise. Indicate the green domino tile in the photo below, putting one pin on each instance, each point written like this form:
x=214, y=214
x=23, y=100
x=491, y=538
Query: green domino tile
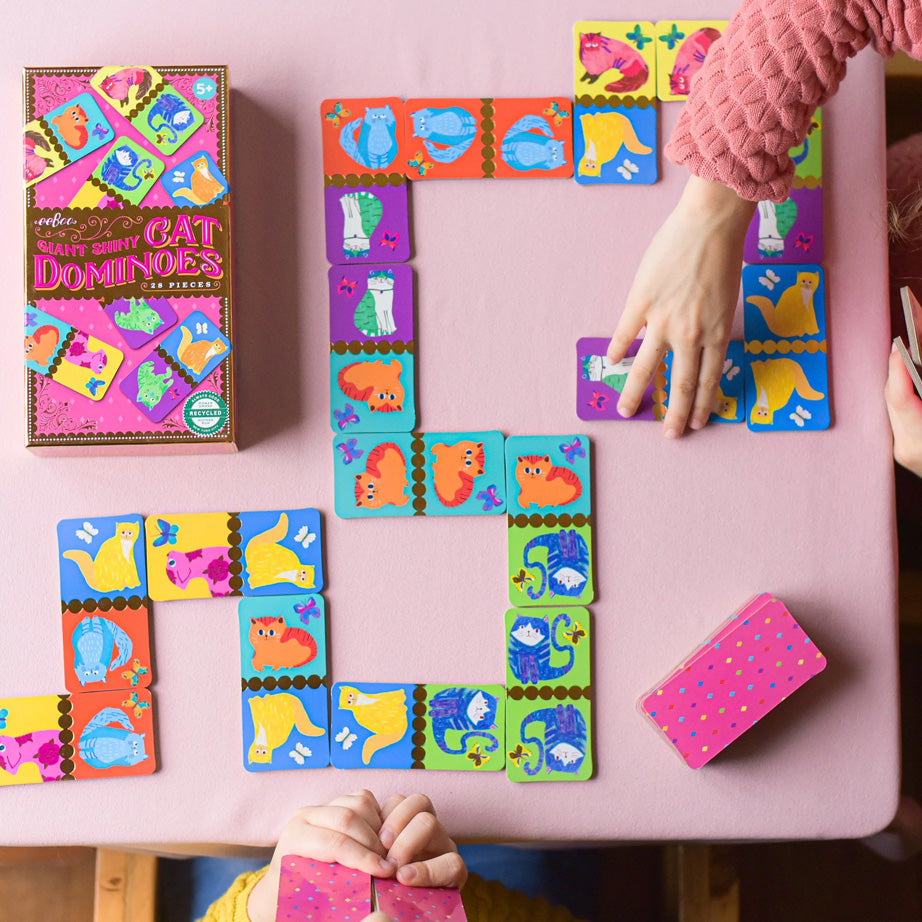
x=548, y=647
x=464, y=727
x=548, y=740
x=550, y=565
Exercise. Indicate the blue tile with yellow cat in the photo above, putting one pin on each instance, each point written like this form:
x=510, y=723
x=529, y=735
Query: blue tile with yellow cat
x=282, y=552
x=787, y=392
x=548, y=475
x=784, y=302
x=614, y=144
x=730, y=403
x=371, y=725
x=101, y=557
x=282, y=637
x=285, y=729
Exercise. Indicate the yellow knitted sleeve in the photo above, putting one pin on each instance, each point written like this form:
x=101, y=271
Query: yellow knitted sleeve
x=232, y=907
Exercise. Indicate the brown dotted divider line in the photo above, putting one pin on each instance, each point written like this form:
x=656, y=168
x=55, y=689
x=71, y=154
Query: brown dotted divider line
x=283, y=683
x=53, y=138
x=487, y=138
x=418, y=474
x=234, y=539
x=807, y=182
x=546, y=692
x=119, y=603
x=418, y=752
x=174, y=366
x=659, y=392
x=797, y=346
x=62, y=351
x=142, y=103
x=550, y=520
x=615, y=101
x=66, y=736
x=353, y=180
x=105, y=187
x=341, y=347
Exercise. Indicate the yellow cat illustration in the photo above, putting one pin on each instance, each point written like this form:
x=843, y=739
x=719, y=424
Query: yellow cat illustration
x=114, y=568
x=604, y=134
x=274, y=717
x=724, y=406
x=203, y=187
x=384, y=713
x=268, y=562
x=195, y=356
x=793, y=315
x=776, y=380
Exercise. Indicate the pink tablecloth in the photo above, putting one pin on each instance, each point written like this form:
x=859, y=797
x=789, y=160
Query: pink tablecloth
x=510, y=274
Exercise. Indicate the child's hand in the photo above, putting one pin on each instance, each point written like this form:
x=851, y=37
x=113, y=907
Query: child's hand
x=905, y=409
x=418, y=843
x=685, y=293
x=343, y=831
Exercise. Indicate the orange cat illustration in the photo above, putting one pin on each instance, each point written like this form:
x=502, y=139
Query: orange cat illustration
x=454, y=470
x=195, y=356
x=277, y=646
x=71, y=125
x=542, y=484
x=776, y=380
x=385, y=479
x=41, y=345
x=794, y=314
x=376, y=383
x=203, y=187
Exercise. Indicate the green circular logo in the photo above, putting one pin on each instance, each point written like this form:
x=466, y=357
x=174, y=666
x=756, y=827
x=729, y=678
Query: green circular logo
x=205, y=413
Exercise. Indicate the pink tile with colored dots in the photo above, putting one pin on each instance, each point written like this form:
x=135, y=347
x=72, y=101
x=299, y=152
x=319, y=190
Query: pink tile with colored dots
x=321, y=892
x=409, y=904
x=746, y=668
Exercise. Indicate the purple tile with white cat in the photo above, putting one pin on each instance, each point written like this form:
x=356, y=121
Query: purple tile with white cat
x=367, y=225
x=599, y=382
x=371, y=304
x=788, y=232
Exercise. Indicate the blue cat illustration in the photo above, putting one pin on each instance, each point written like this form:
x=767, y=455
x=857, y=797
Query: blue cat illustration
x=524, y=149
x=95, y=640
x=169, y=116
x=377, y=144
x=102, y=746
x=567, y=570
x=453, y=128
x=122, y=166
x=564, y=746
x=467, y=709
x=529, y=651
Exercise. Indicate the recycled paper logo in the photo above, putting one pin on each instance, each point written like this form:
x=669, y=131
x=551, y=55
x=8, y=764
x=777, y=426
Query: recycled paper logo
x=205, y=413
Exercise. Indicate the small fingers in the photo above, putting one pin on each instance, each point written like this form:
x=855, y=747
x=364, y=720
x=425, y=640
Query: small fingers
x=446, y=870
x=642, y=371
x=364, y=804
x=423, y=837
x=338, y=833
x=402, y=812
x=709, y=375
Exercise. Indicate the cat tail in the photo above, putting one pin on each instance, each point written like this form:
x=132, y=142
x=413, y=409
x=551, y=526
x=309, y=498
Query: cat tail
x=379, y=741
x=631, y=141
x=447, y=154
x=527, y=123
x=565, y=648
x=799, y=158
x=536, y=717
x=492, y=743
x=544, y=541
x=304, y=724
x=105, y=717
x=803, y=386
x=122, y=641
x=348, y=143
x=766, y=308
x=271, y=535
x=86, y=565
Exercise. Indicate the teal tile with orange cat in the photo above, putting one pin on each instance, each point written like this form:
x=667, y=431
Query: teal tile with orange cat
x=548, y=475
x=465, y=472
x=371, y=475
x=379, y=388
x=282, y=637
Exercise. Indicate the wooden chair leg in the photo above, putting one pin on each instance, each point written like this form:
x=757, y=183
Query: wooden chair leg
x=126, y=886
x=700, y=885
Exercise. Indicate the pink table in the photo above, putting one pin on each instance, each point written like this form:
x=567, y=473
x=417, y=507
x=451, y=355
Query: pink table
x=510, y=274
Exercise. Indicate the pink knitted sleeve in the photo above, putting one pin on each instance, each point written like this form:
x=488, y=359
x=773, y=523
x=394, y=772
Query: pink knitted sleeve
x=775, y=63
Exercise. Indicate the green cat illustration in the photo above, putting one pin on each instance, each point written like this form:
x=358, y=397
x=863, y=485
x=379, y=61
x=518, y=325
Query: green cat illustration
x=152, y=387
x=139, y=316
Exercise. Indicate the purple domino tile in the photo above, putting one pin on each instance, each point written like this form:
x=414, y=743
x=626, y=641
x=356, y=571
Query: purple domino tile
x=782, y=233
x=140, y=320
x=367, y=225
x=371, y=304
x=599, y=382
x=155, y=388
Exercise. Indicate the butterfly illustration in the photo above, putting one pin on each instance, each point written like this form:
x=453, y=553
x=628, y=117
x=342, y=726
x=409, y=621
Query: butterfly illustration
x=390, y=239
x=306, y=612
x=31, y=320
x=573, y=450
x=201, y=328
x=99, y=131
x=4, y=713
x=350, y=451
x=174, y=392
x=94, y=384
x=134, y=674
x=520, y=579
x=339, y=112
x=638, y=38
x=518, y=754
x=345, y=738
x=345, y=416
x=346, y=287
x=804, y=241
x=305, y=537
x=730, y=370
x=672, y=37
x=770, y=279
x=167, y=534
x=179, y=176
x=555, y=112
x=300, y=753
x=598, y=401
x=489, y=498
x=134, y=702
x=478, y=756
x=575, y=633
x=799, y=416
x=87, y=533
x=627, y=169
x=420, y=163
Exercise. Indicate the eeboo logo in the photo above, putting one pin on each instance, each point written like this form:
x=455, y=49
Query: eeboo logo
x=205, y=413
